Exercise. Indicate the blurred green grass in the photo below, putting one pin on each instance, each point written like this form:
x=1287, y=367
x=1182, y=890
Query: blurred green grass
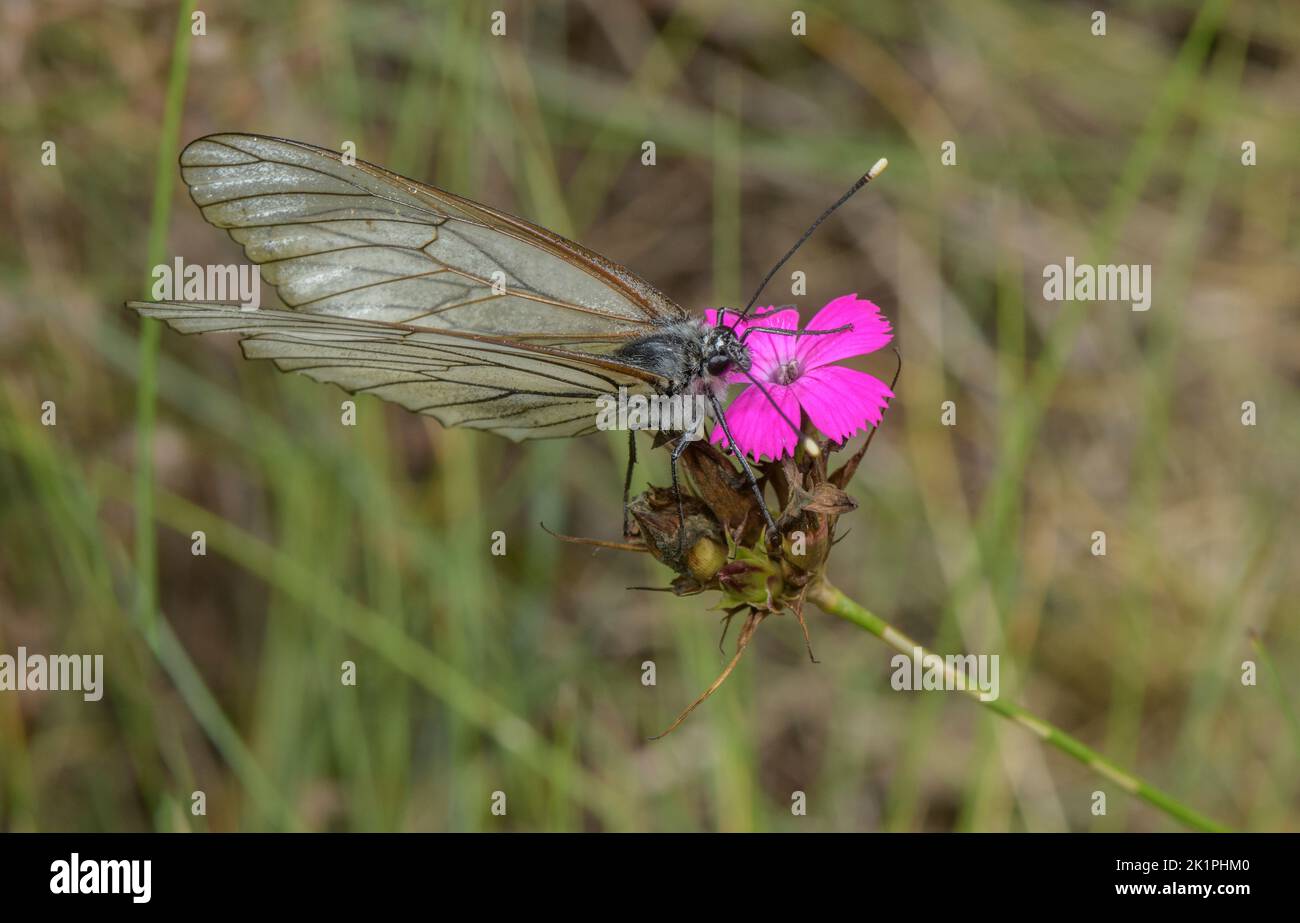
x=522, y=673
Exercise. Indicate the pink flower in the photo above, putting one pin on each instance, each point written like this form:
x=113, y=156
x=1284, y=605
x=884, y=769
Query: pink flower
x=797, y=372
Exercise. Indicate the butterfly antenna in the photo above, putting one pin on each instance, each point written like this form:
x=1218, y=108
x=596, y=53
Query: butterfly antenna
x=866, y=178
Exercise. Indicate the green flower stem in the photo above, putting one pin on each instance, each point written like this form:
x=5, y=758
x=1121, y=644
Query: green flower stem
x=834, y=602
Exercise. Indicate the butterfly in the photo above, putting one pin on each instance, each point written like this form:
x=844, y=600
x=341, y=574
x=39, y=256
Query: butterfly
x=443, y=305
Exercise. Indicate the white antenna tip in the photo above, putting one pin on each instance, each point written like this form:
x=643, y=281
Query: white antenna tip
x=810, y=447
x=878, y=168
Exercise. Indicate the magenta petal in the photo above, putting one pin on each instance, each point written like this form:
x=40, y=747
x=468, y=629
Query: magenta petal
x=758, y=428
x=841, y=402
x=870, y=332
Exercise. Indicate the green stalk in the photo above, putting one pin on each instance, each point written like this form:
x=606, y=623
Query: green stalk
x=146, y=554
x=834, y=602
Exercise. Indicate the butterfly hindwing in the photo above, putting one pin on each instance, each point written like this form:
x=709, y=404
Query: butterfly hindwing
x=518, y=390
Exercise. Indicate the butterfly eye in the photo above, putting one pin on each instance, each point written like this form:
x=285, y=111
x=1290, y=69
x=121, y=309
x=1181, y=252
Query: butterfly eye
x=717, y=364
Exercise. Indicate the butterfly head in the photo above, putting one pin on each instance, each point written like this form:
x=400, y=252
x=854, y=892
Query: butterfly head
x=723, y=351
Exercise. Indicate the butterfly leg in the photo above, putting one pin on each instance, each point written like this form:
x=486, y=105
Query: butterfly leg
x=781, y=331
x=772, y=532
x=678, y=449
x=627, y=480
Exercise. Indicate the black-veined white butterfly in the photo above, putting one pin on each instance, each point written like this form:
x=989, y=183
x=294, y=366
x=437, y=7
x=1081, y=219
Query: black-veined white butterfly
x=442, y=305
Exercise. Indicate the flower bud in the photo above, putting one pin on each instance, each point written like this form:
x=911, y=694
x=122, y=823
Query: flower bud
x=705, y=558
x=751, y=577
x=694, y=548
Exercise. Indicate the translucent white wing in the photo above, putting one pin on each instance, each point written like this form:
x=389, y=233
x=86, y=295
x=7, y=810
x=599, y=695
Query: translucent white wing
x=354, y=240
x=519, y=390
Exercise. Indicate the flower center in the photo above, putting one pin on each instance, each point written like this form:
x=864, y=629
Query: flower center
x=786, y=374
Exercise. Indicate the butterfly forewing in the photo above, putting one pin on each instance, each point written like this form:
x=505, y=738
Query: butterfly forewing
x=415, y=295
x=358, y=241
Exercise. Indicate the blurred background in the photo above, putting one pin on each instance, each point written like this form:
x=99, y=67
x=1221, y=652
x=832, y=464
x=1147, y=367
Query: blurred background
x=522, y=673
